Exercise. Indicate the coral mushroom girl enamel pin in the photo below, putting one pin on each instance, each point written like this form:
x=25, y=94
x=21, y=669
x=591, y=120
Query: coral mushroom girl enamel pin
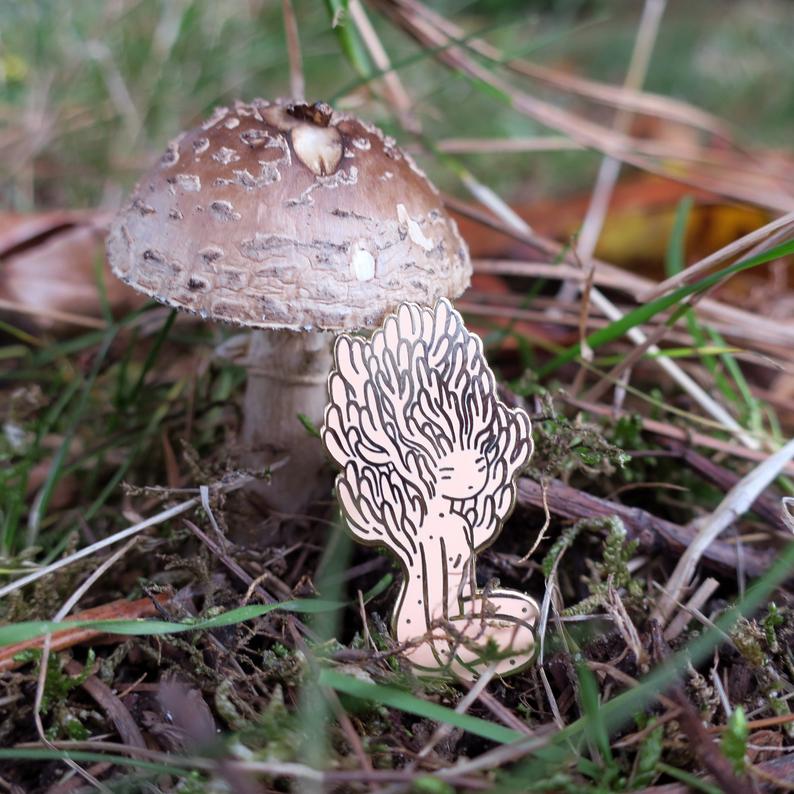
x=429, y=458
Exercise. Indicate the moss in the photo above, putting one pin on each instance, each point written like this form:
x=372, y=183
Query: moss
x=611, y=571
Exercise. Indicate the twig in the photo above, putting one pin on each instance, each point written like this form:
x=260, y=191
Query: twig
x=204, y=493
x=755, y=725
x=627, y=680
x=651, y=344
x=254, y=585
x=349, y=730
x=703, y=746
x=695, y=603
x=542, y=533
x=232, y=565
x=160, y=518
x=691, y=438
x=737, y=502
x=648, y=529
x=504, y=714
x=766, y=507
x=462, y=707
x=752, y=326
x=111, y=703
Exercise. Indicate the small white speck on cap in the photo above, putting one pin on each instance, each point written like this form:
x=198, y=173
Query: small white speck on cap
x=225, y=155
x=218, y=114
x=188, y=182
x=362, y=263
x=224, y=211
x=414, y=229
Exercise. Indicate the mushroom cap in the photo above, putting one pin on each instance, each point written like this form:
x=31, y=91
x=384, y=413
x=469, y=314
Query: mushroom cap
x=282, y=215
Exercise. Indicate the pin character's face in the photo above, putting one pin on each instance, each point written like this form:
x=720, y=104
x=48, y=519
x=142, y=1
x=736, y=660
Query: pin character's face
x=462, y=474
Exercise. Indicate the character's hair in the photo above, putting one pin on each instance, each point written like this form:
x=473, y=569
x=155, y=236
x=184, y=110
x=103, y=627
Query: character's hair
x=418, y=391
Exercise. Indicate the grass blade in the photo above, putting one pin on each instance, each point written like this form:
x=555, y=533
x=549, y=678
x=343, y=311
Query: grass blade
x=405, y=701
x=31, y=629
x=644, y=313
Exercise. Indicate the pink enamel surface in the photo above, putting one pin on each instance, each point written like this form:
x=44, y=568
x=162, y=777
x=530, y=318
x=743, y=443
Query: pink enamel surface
x=429, y=457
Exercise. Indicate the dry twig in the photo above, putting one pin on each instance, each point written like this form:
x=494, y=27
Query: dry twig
x=177, y=510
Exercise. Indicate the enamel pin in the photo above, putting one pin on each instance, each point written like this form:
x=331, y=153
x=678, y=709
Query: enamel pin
x=429, y=457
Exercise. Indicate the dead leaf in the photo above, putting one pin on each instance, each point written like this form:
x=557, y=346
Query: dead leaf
x=191, y=722
x=48, y=270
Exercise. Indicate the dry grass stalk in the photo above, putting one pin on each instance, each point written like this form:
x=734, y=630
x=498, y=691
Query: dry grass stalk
x=296, y=81
x=443, y=730
x=758, y=188
x=41, y=680
x=538, y=143
x=79, y=320
x=393, y=88
x=736, y=503
x=687, y=383
x=698, y=600
x=626, y=98
x=679, y=433
x=161, y=517
x=609, y=169
x=746, y=325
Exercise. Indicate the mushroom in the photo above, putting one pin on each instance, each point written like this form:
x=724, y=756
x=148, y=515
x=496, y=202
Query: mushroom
x=300, y=221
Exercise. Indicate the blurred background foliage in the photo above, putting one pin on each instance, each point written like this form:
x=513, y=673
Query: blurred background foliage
x=90, y=91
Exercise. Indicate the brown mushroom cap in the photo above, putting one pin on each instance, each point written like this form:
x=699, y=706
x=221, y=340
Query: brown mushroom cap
x=275, y=215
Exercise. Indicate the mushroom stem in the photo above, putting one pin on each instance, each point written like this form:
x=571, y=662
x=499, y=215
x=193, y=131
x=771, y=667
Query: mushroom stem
x=287, y=377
